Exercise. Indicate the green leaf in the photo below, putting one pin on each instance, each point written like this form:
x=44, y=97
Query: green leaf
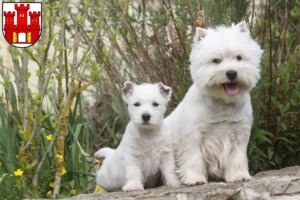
x=74, y=156
x=251, y=147
x=260, y=152
x=293, y=102
x=77, y=132
x=2, y=176
x=267, y=133
x=32, y=164
x=283, y=126
x=263, y=138
x=270, y=153
x=290, y=148
x=277, y=159
x=13, y=99
x=283, y=139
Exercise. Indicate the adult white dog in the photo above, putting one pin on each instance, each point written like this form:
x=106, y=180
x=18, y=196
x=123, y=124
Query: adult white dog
x=211, y=126
x=146, y=149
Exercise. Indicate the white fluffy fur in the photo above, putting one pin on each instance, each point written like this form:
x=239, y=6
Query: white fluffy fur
x=210, y=127
x=145, y=150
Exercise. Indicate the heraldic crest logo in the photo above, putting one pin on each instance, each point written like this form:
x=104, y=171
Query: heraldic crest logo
x=22, y=23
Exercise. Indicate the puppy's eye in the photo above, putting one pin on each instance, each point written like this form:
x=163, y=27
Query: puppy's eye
x=216, y=60
x=155, y=104
x=137, y=104
x=239, y=58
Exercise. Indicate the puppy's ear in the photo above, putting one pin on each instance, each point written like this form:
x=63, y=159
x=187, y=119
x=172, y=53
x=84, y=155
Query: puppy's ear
x=242, y=26
x=199, y=34
x=165, y=91
x=127, y=90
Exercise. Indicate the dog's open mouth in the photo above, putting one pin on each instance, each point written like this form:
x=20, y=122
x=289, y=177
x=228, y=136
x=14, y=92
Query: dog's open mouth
x=231, y=88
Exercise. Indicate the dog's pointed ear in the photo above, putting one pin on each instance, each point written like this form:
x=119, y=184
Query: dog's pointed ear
x=200, y=34
x=127, y=90
x=165, y=91
x=242, y=26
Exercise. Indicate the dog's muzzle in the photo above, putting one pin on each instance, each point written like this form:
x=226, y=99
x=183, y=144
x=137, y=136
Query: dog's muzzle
x=232, y=87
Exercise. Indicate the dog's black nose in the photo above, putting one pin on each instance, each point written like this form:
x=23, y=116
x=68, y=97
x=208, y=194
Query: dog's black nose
x=146, y=117
x=231, y=74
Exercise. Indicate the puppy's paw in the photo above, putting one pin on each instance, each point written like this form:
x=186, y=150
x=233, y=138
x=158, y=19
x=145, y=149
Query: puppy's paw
x=173, y=183
x=132, y=187
x=238, y=177
x=193, y=179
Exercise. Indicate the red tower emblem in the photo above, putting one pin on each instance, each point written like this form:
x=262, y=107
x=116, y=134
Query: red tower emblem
x=21, y=23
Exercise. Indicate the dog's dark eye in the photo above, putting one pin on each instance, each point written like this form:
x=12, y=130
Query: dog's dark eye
x=239, y=58
x=216, y=60
x=155, y=104
x=137, y=104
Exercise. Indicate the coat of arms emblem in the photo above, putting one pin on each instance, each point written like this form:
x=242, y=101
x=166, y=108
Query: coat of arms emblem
x=22, y=23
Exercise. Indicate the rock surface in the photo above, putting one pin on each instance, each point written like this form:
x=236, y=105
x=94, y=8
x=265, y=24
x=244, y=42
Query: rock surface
x=281, y=184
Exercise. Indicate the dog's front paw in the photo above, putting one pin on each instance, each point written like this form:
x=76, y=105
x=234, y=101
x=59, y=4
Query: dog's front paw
x=132, y=187
x=238, y=177
x=173, y=183
x=191, y=179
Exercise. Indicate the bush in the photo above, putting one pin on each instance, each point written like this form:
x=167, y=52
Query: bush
x=276, y=100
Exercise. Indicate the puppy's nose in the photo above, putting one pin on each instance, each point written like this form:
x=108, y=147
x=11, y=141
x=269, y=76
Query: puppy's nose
x=146, y=117
x=231, y=74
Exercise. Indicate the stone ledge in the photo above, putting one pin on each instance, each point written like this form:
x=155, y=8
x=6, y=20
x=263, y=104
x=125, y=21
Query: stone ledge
x=283, y=184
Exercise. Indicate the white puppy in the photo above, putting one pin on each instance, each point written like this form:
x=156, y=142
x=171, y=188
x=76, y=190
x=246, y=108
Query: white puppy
x=212, y=125
x=146, y=148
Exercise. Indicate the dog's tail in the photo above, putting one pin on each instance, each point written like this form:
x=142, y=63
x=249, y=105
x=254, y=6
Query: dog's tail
x=104, y=153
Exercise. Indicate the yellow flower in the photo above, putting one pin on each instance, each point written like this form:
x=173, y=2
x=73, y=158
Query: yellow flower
x=99, y=188
x=73, y=191
x=0, y=164
x=63, y=171
x=49, y=137
x=49, y=193
x=60, y=157
x=19, y=172
x=51, y=184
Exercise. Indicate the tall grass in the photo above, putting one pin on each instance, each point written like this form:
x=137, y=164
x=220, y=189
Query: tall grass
x=43, y=148
x=275, y=137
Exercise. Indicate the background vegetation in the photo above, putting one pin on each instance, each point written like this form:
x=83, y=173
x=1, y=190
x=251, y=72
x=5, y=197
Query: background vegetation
x=45, y=147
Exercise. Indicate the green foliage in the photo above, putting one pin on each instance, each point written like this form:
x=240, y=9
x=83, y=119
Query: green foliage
x=226, y=11
x=9, y=183
x=276, y=100
x=78, y=167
